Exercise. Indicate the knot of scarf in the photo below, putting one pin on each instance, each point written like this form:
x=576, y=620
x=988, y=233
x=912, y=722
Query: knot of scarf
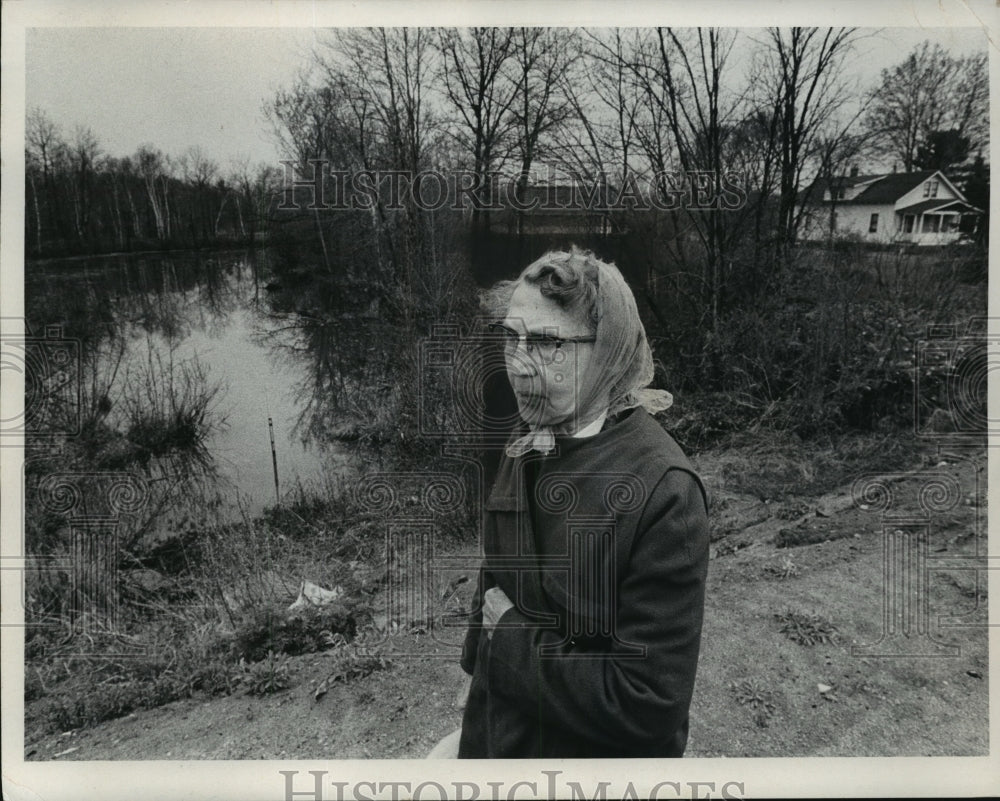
x=619, y=373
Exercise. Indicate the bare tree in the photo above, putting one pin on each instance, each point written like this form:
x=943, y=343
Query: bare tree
x=304, y=120
x=599, y=140
x=803, y=84
x=930, y=91
x=836, y=151
x=393, y=68
x=153, y=169
x=388, y=74
x=43, y=144
x=474, y=67
x=199, y=172
x=688, y=120
x=541, y=57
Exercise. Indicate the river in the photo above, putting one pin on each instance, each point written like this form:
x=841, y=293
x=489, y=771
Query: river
x=211, y=309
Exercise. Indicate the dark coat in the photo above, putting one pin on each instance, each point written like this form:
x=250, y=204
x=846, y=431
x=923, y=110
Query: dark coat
x=606, y=566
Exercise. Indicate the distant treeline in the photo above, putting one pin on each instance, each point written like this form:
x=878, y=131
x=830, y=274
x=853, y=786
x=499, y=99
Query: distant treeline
x=79, y=199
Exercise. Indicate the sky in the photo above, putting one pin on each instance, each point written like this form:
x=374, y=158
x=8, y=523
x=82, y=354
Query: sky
x=172, y=87
x=180, y=87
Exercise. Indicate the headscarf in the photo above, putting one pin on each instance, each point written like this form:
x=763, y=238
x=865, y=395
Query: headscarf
x=620, y=369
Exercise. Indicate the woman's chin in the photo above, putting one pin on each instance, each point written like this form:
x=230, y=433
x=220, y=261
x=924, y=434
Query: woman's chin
x=537, y=417
x=538, y=420
x=531, y=408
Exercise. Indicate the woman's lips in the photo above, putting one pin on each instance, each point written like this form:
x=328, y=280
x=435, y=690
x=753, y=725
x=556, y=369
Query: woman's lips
x=530, y=402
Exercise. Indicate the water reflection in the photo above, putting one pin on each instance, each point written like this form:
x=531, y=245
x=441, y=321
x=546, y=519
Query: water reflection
x=139, y=317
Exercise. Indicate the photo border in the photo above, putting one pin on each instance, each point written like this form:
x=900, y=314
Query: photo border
x=248, y=780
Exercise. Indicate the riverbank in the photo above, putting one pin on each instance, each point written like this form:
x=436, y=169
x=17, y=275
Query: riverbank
x=792, y=663
x=148, y=247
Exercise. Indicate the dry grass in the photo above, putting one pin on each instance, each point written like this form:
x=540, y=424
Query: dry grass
x=775, y=466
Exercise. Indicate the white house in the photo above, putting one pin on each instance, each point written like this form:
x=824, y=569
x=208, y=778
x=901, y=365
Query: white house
x=923, y=208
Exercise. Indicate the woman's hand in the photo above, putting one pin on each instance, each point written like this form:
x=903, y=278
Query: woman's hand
x=462, y=696
x=495, y=603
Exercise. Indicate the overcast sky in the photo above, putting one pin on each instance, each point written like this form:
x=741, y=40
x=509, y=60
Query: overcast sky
x=177, y=87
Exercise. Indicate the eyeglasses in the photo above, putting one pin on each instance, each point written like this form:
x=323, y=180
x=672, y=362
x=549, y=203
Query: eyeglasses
x=544, y=348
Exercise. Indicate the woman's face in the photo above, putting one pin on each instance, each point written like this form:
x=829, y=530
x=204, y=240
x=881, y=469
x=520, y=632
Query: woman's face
x=546, y=394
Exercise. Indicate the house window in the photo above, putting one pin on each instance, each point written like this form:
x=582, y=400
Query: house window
x=873, y=224
x=931, y=189
x=932, y=223
x=908, y=223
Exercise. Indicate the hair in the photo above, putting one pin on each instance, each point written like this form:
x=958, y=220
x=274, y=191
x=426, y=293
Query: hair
x=569, y=278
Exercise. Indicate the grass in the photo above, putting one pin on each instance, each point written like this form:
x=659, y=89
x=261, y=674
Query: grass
x=775, y=466
x=163, y=663
x=806, y=629
x=221, y=625
x=219, y=616
x=218, y=623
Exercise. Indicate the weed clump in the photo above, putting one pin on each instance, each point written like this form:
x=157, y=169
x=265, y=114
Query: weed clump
x=266, y=631
x=806, y=629
x=749, y=692
x=268, y=676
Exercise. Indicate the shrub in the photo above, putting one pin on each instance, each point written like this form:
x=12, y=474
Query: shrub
x=825, y=344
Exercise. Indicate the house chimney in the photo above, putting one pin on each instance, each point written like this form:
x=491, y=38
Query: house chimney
x=894, y=165
x=854, y=171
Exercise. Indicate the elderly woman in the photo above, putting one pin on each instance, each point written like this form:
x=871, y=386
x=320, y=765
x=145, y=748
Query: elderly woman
x=586, y=636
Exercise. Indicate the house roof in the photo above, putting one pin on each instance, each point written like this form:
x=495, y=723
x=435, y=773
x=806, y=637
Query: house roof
x=820, y=185
x=936, y=204
x=881, y=190
x=891, y=187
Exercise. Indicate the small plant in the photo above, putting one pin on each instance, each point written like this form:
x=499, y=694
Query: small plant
x=729, y=548
x=354, y=661
x=791, y=510
x=806, y=629
x=217, y=677
x=787, y=569
x=750, y=693
x=267, y=676
x=310, y=630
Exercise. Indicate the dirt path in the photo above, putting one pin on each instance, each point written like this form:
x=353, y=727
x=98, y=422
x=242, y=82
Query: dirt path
x=759, y=693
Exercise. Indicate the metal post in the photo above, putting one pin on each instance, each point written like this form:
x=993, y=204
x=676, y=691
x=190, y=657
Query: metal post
x=274, y=461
